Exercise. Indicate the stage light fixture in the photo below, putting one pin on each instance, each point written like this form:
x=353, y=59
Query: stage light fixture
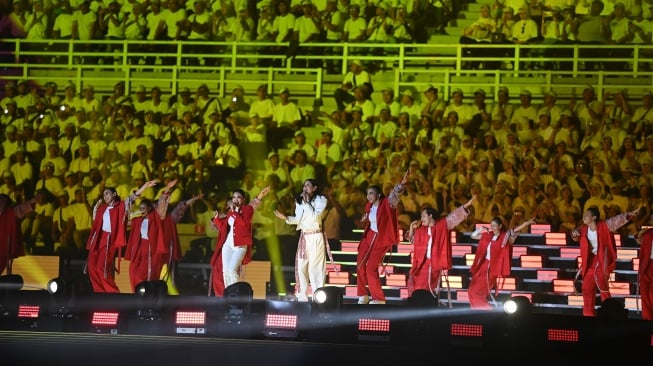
x=150, y=299
x=517, y=306
x=373, y=330
x=28, y=311
x=328, y=299
x=190, y=322
x=11, y=282
x=64, y=292
x=238, y=298
x=284, y=319
x=105, y=322
x=10, y=285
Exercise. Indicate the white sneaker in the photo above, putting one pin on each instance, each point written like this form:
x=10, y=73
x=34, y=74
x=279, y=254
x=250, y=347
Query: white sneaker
x=363, y=299
x=376, y=302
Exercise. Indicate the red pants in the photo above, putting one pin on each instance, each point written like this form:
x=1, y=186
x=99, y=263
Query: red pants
x=425, y=279
x=595, y=277
x=480, y=286
x=367, y=267
x=145, y=266
x=100, y=266
x=646, y=292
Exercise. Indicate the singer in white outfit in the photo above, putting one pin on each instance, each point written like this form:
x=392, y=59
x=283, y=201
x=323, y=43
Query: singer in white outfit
x=310, y=260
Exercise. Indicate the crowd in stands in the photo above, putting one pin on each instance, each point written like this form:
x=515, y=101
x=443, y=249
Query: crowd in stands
x=549, y=160
x=561, y=22
x=274, y=21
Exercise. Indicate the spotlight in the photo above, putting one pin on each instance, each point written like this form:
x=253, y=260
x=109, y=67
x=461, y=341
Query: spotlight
x=328, y=299
x=150, y=298
x=64, y=293
x=237, y=318
x=238, y=297
x=517, y=305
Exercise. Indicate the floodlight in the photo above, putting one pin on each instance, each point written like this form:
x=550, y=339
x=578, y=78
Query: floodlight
x=10, y=285
x=328, y=299
x=150, y=297
x=238, y=297
x=517, y=305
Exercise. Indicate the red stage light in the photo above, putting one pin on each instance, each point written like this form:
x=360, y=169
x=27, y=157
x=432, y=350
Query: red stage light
x=104, y=319
x=28, y=311
x=191, y=318
x=562, y=335
x=281, y=321
x=467, y=330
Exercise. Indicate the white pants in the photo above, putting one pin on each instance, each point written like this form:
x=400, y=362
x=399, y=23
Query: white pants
x=232, y=258
x=310, y=265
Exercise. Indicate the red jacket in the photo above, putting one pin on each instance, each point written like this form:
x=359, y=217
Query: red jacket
x=242, y=228
x=118, y=238
x=500, y=256
x=154, y=233
x=645, y=250
x=440, y=244
x=386, y=217
x=606, y=252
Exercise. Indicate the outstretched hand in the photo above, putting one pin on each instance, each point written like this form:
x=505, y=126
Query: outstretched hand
x=263, y=192
x=634, y=212
x=404, y=180
x=278, y=214
x=525, y=223
x=152, y=183
x=469, y=203
x=170, y=184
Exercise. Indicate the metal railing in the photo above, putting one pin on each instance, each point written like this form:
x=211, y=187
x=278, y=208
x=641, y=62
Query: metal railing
x=186, y=63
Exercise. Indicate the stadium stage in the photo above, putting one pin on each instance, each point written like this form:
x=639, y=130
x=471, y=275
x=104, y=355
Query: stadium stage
x=153, y=328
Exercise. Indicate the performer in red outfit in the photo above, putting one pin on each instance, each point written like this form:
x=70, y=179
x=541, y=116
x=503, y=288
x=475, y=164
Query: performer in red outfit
x=380, y=234
x=598, y=253
x=431, y=241
x=11, y=240
x=108, y=237
x=645, y=271
x=217, y=278
x=146, y=240
x=237, y=247
x=491, y=260
x=170, y=254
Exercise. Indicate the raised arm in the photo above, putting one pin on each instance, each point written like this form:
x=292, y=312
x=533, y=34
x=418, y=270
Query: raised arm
x=394, y=196
x=457, y=216
x=259, y=198
x=164, y=200
x=514, y=232
x=615, y=222
x=178, y=212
